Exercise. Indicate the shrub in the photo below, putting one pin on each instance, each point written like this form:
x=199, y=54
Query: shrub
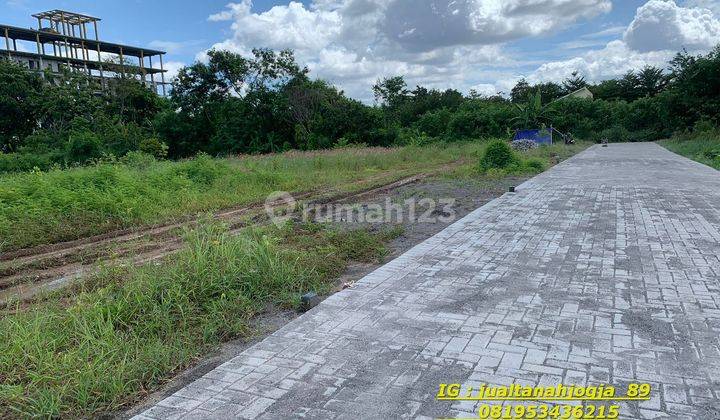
x=434, y=123
x=704, y=126
x=202, y=169
x=534, y=165
x=411, y=137
x=614, y=134
x=19, y=162
x=138, y=160
x=154, y=147
x=82, y=147
x=497, y=155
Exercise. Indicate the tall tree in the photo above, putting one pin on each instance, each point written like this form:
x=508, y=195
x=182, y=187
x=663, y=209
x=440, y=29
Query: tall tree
x=521, y=92
x=18, y=92
x=390, y=91
x=608, y=90
x=651, y=81
x=574, y=82
x=629, y=86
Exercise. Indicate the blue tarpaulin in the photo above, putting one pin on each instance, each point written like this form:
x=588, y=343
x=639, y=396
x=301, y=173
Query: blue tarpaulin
x=539, y=135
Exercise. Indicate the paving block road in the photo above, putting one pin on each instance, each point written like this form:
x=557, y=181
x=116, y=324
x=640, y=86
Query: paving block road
x=602, y=270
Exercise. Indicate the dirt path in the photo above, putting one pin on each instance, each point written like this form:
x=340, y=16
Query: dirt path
x=28, y=273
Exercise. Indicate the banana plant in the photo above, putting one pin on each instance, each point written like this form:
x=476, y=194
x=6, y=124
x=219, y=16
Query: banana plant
x=533, y=113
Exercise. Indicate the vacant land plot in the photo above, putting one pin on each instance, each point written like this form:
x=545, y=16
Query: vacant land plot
x=125, y=330
x=46, y=207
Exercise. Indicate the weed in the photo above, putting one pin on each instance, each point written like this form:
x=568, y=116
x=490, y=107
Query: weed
x=57, y=205
x=130, y=328
x=702, y=145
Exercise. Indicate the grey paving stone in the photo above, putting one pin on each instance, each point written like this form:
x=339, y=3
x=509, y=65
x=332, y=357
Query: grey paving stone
x=603, y=269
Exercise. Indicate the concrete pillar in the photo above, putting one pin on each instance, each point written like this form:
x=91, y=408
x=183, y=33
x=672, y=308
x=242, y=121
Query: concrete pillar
x=162, y=74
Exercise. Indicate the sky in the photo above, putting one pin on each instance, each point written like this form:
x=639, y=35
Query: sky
x=485, y=45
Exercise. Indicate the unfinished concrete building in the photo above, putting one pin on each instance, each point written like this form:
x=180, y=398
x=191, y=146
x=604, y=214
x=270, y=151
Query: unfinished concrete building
x=71, y=40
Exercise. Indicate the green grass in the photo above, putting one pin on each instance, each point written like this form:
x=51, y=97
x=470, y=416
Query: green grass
x=526, y=163
x=58, y=205
x=130, y=328
x=703, y=146
x=105, y=343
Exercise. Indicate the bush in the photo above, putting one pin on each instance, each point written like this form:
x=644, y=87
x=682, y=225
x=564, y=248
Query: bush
x=704, y=126
x=410, y=137
x=434, y=123
x=497, y=155
x=534, y=165
x=82, y=147
x=614, y=134
x=138, y=160
x=202, y=169
x=19, y=162
x=154, y=147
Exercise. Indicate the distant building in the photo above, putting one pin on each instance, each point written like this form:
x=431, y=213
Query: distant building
x=61, y=40
x=583, y=93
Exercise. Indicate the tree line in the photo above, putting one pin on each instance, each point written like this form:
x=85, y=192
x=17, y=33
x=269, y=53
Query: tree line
x=267, y=102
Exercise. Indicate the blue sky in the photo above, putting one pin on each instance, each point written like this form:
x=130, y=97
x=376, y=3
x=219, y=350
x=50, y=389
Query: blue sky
x=485, y=45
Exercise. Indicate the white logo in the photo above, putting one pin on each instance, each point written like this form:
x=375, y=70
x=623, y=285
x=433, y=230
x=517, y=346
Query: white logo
x=279, y=206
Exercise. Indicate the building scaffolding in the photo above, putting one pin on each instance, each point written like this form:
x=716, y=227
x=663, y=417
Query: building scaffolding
x=71, y=40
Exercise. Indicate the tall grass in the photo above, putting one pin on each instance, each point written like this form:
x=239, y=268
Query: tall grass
x=133, y=327
x=702, y=146
x=109, y=343
x=46, y=207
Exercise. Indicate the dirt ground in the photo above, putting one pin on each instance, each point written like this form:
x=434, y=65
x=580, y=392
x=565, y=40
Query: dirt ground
x=33, y=273
x=468, y=195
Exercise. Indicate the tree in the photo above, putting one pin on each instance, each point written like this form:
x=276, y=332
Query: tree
x=19, y=90
x=521, y=91
x=229, y=74
x=651, y=81
x=550, y=91
x=608, y=90
x=390, y=91
x=629, y=86
x=533, y=113
x=574, y=82
x=231, y=103
x=131, y=101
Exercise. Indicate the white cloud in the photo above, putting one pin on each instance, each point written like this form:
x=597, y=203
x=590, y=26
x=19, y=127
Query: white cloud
x=658, y=31
x=661, y=24
x=432, y=42
x=581, y=44
x=611, y=31
x=423, y=25
x=172, y=68
x=485, y=89
x=461, y=43
x=174, y=47
x=713, y=5
x=614, y=60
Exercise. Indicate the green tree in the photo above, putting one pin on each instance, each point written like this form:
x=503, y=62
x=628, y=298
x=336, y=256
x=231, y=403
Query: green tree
x=533, y=113
x=390, y=91
x=651, y=81
x=19, y=90
x=574, y=82
x=630, y=86
x=521, y=91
